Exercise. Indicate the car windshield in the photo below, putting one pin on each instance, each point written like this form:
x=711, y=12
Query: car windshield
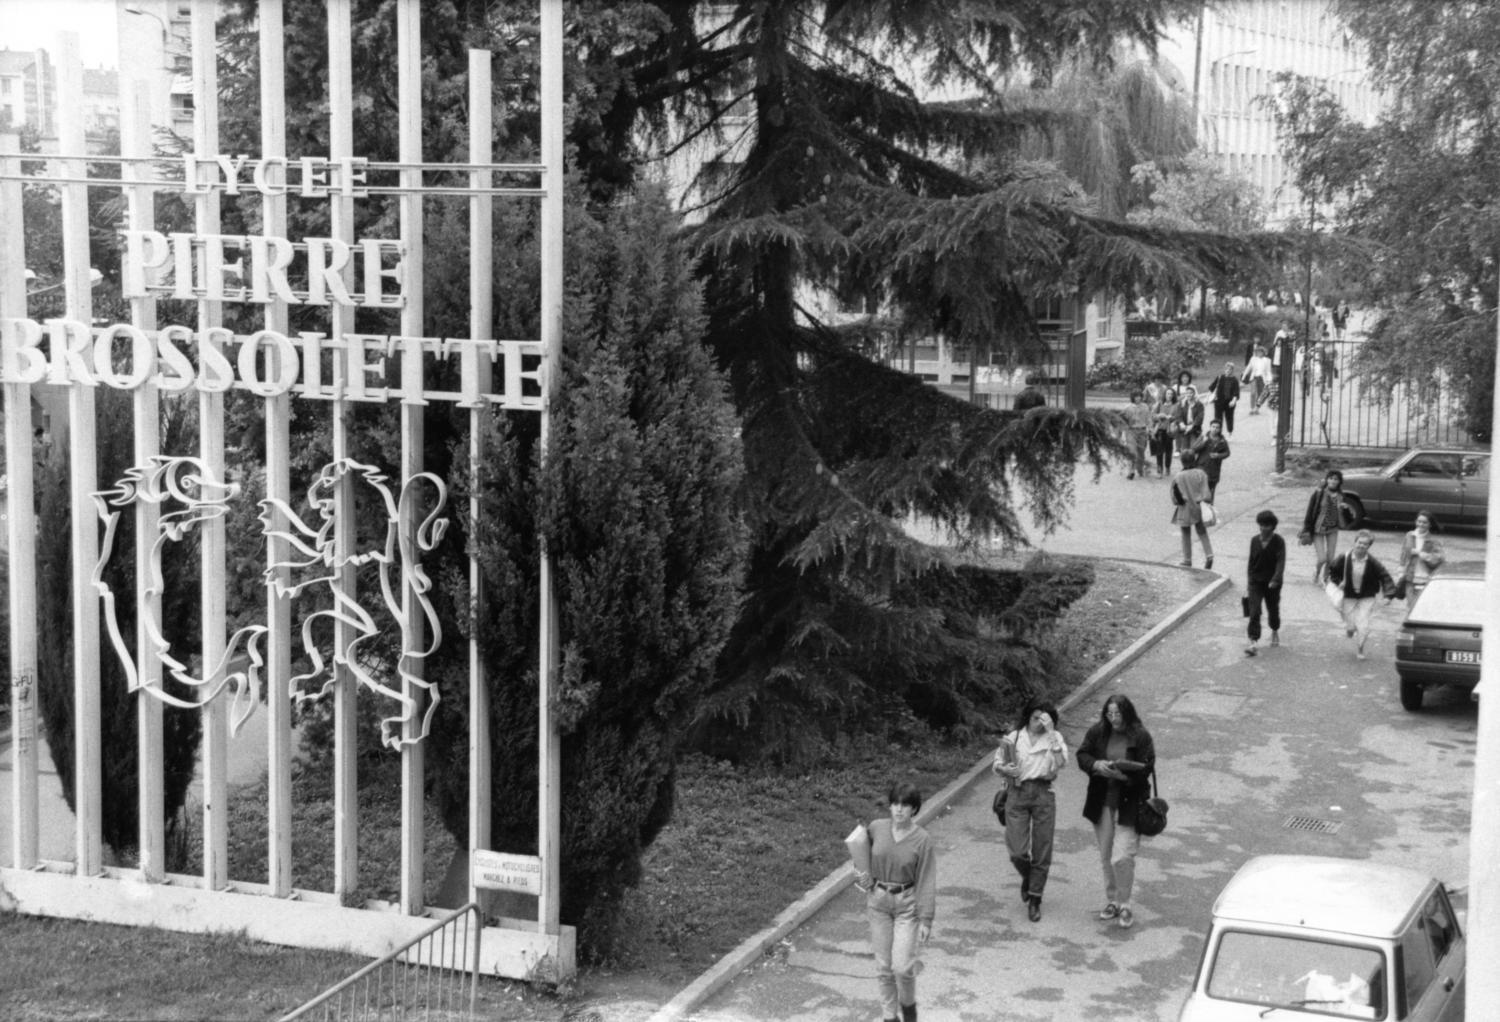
x=1451, y=601
x=1317, y=977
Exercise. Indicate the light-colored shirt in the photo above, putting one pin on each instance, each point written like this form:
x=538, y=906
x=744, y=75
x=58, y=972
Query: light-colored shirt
x=1260, y=367
x=1040, y=758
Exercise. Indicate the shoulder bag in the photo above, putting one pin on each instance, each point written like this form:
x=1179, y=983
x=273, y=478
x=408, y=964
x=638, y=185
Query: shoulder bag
x=1207, y=513
x=1151, y=814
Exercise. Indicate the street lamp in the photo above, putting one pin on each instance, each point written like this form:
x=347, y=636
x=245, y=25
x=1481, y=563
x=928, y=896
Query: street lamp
x=166, y=35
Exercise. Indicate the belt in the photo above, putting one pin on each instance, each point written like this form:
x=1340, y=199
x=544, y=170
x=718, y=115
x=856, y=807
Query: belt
x=1043, y=781
x=893, y=888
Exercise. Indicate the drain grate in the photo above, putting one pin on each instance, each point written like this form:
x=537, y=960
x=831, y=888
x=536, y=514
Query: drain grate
x=1311, y=825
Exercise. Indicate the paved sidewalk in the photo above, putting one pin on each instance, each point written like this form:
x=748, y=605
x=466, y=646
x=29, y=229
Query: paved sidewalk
x=1241, y=741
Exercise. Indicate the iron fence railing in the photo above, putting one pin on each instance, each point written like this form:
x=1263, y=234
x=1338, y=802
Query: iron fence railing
x=433, y=977
x=1337, y=402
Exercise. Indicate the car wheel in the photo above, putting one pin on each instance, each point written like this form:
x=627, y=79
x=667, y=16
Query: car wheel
x=1351, y=513
x=1411, y=695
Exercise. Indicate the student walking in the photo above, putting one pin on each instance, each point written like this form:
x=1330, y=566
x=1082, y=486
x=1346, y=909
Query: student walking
x=1118, y=756
x=1188, y=420
x=1320, y=526
x=1210, y=453
x=1421, y=555
x=1226, y=393
x=1163, y=421
x=1258, y=376
x=1263, y=576
x=1189, y=491
x=1031, y=805
x=1359, y=579
x=900, y=900
x=1138, y=421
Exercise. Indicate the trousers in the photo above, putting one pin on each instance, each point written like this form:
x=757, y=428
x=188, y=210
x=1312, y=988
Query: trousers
x=1118, y=847
x=893, y=937
x=1030, y=819
x=1256, y=593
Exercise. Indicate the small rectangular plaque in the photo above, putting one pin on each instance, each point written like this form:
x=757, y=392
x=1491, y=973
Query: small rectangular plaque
x=502, y=871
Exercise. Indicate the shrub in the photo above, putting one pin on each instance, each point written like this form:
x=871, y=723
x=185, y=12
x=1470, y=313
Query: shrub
x=637, y=504
x=181, y=595
x=1166, y=356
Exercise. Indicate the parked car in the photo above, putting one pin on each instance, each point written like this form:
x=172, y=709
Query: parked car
x=1452, y=483
x=1305, y=936
x=1440, y=640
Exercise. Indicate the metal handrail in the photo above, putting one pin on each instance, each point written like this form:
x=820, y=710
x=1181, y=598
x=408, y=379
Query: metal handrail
x=332, y=1000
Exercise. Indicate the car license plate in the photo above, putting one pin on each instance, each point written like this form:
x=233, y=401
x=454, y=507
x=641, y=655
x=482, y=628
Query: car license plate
x=1462, y=656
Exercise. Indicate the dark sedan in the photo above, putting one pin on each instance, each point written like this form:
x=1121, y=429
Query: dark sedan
x=1440, y=639
x=1452, y=483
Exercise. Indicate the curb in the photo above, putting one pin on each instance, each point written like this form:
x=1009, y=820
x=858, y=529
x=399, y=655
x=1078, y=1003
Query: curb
x=794, y=915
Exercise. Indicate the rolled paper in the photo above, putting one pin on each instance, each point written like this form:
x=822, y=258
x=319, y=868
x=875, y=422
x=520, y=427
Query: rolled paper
x=858, y=843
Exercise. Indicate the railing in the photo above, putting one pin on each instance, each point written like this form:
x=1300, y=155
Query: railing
x=434, y=976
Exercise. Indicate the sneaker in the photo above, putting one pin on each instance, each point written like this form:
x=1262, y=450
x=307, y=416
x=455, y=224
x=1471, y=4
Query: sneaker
x=1184, y=564
x=1127, y=918
x=1250, y=650
x=1275, y=639
x=1130, y=476
x=1348, y=633
x=1109, y=911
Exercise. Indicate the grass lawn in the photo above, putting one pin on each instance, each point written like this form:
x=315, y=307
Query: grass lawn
x=743, y=844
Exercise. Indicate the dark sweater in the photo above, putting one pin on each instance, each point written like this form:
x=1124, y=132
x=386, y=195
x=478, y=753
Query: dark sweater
x=1268, y=562
x=1139, y=748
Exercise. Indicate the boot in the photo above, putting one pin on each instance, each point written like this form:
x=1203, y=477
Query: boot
x=1034, y=908
x=908, y=1013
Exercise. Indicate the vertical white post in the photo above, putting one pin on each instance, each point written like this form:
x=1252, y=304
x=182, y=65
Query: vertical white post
x=21, y=524
x=549, y=746
x=278, y=476
x=1484, y=822
x=345, y=690
x=214, y=544
x=83, y=476
x=481, y=325
x=135, y=141
x=409, y=93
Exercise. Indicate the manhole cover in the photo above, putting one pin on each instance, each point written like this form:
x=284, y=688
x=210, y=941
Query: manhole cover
x=1311, y=825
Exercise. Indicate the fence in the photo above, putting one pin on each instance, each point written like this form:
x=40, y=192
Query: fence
x=1338, y=402
x=175, y=492
x=434, y=976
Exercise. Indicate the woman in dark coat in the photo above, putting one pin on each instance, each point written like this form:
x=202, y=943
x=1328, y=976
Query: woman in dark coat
x=1118, y=755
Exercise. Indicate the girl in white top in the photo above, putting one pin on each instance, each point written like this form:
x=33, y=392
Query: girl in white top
x=1031, y=806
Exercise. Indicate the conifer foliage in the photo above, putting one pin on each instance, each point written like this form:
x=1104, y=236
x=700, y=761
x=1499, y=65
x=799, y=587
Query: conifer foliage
x=637, y=506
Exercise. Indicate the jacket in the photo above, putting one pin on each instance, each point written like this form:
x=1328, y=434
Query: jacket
x=1189, y=419
x=1376, y=582
x=1134, y=791
x=1224, y=389
x=1211, y=453
x=1267, y=563
x=1418, y=568
x=1189, y=488
x=1310, y=520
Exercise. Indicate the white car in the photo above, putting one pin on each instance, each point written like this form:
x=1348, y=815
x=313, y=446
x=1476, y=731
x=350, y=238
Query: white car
x=1309, y=937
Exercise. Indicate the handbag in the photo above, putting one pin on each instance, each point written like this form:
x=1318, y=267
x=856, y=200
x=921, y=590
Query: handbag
x=1244, y=606
x=1335, y=593
x=1151, y=814
x=1207, y=513
x=998, y=805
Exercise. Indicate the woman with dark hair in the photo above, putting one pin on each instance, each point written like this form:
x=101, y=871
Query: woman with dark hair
x=1118, y=755
x=900, y=900
x=1421, y=555
x=1031, y=806
x=1320, y=526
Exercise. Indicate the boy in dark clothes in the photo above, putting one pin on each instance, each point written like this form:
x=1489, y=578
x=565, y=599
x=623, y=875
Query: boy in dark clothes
x=1263, y=579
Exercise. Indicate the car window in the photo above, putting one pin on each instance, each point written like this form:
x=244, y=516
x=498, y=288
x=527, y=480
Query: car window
x=1431, y=465
x=1417, y=966
x=1273, y=970
x=1477, y=469
x=1439, y=924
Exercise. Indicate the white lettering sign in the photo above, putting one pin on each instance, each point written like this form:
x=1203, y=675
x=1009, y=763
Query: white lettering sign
x=267, y=363
x=502, y=871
